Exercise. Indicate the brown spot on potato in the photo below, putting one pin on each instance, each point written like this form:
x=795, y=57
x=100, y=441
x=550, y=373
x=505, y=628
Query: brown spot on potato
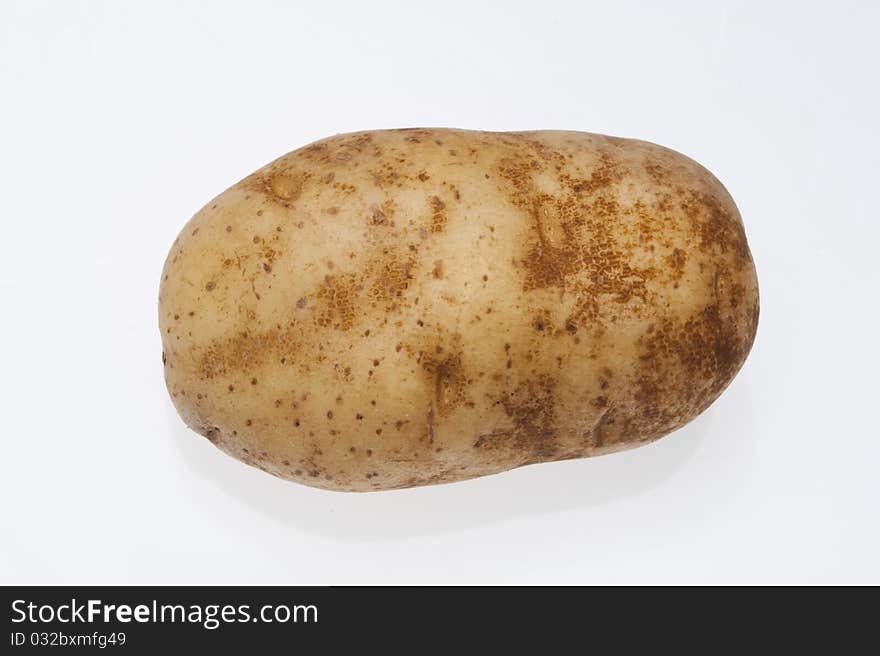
x=337, y=300
x=657, y=172
x=532, y=407
x=574, y=245
x=244, y=351
x=391, y=276
x=719, y=231
x=438, y=215
x=676, y=261
x=706, y=349
x=430, y=422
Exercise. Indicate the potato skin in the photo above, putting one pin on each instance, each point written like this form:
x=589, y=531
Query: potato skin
x=397, y=308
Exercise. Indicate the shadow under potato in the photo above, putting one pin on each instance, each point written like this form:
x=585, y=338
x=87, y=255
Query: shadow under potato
x=533, y=490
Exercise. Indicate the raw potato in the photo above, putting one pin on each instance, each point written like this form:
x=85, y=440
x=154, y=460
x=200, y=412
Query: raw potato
x=407, y=307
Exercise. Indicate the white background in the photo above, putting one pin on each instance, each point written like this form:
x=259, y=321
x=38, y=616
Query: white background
x=119, y=120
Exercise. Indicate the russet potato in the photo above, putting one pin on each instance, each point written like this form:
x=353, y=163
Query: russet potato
x=405, y=307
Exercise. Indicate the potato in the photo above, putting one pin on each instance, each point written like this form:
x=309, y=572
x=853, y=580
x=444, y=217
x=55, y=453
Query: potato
x=406, y=307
